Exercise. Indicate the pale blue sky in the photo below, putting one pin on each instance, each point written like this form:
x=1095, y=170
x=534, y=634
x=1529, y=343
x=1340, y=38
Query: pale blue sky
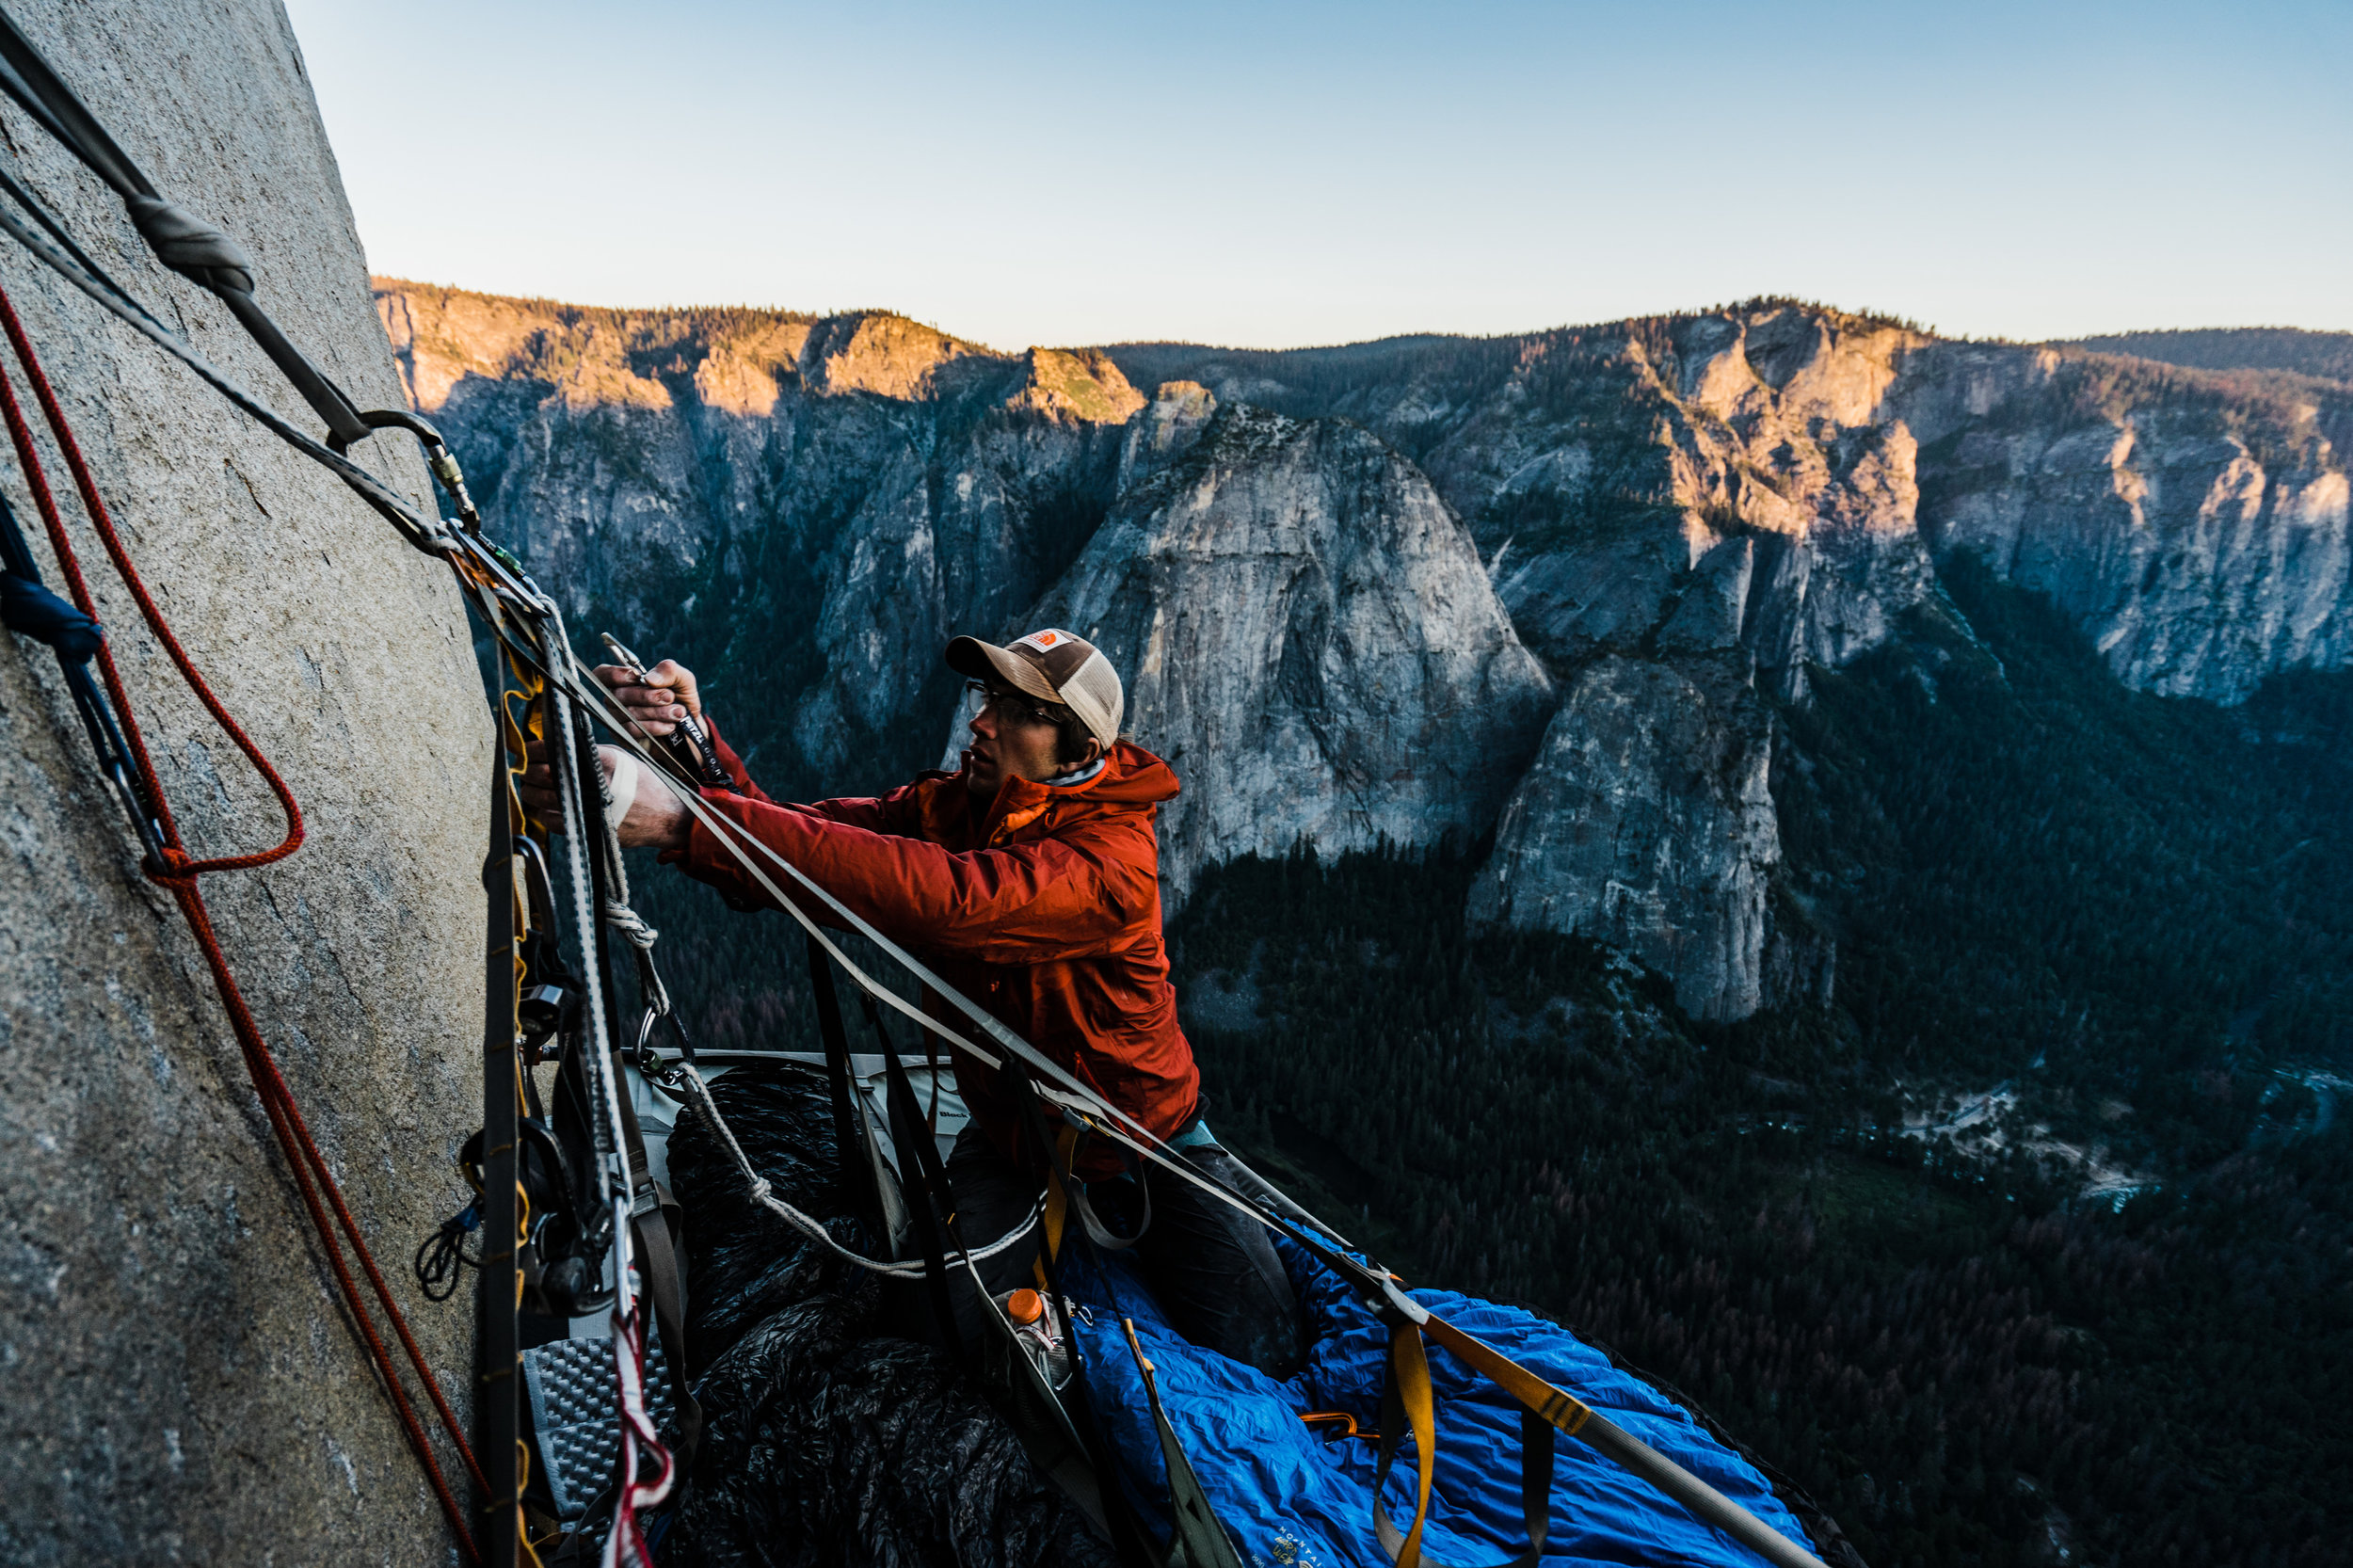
x=1275, y=174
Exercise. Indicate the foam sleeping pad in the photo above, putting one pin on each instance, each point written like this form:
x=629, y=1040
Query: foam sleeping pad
x=827, y=1440
x=1289, y=1497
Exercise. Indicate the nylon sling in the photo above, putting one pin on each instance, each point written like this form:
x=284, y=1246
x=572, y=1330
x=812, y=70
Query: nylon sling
x=498, y=1407
x=860, y=1198
x=1197, y=1537
x=1200, y=1540
x=923, y=1184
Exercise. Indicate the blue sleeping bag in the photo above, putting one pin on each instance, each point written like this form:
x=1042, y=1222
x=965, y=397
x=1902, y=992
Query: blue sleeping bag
x=1292, y=1498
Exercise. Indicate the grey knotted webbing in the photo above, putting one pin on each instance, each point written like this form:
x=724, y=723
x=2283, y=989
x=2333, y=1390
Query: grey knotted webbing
x=191, y=246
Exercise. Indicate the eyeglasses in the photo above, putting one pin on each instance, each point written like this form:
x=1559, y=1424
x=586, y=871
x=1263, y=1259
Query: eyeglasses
x=1010, y=703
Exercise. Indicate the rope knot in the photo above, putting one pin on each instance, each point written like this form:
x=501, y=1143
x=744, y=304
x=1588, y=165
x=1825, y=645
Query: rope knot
x=191, y=246
x=630, y=923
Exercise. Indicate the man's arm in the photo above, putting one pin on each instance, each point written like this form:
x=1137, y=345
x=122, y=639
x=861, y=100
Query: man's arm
x=1035, y=902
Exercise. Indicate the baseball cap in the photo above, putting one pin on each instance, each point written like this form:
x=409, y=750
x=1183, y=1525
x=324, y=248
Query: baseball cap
x=1053, y=666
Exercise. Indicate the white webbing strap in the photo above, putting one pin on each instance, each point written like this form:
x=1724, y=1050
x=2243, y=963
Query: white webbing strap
x=620, y=790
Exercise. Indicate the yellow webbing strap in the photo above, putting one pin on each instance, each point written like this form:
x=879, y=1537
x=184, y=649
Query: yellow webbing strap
x=521, y=683
x=522, y=1238
x=1410, y=1404
x=1409, y=1391
x=1409, y=1401
x=1057, y=1195
x=1555, y=1406
x=1066, y=1192
x=525, y=685
x=523, y=1520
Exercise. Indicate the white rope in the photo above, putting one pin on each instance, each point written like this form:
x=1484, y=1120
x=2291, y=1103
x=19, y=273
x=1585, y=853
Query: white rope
x=631, y=925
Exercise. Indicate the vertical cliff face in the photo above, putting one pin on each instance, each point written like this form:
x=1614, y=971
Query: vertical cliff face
x=2194, y=524
x=1646, y=823
x=1307, y=636
x=1767, y=490
x=181, y=1384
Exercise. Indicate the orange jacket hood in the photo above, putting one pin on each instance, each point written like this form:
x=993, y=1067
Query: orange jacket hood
x=1131, y=778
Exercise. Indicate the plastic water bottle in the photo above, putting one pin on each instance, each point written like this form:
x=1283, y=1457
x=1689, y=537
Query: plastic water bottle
x=1035, y=1330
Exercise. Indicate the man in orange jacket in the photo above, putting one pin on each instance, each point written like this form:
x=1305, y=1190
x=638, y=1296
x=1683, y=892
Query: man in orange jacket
x=1030, y=880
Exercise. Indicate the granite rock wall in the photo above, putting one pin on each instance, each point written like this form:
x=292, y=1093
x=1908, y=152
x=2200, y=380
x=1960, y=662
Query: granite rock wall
x=178, y=1381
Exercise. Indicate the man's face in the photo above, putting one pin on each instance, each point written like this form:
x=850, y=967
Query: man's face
x=1010, y=739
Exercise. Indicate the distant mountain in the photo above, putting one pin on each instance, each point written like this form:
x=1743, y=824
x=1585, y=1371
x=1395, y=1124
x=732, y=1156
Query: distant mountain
x=1750, y=830
x=2326, y=355
x=1395, y=592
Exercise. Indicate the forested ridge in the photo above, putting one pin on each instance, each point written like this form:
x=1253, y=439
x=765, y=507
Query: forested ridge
x=1957, y=1362
x=2327, y=355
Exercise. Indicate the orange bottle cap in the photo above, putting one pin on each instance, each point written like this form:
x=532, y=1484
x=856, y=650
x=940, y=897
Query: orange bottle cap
x=1024, y=1306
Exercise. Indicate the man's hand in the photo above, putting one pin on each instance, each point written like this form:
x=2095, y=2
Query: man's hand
x=537, y=785
x=665, y=695
x=655, y=819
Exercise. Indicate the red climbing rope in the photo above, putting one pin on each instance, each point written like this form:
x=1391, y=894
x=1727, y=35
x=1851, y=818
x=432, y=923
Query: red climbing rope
x=178, y=873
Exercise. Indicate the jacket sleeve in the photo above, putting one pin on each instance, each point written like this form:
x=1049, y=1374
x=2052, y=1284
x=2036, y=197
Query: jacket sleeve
x=1030, y=904
x=864, y=813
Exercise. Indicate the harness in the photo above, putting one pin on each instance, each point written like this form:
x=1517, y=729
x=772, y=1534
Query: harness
x=590, y=1154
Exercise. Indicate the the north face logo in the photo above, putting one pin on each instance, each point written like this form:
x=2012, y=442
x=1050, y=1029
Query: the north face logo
x=1043, y=640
